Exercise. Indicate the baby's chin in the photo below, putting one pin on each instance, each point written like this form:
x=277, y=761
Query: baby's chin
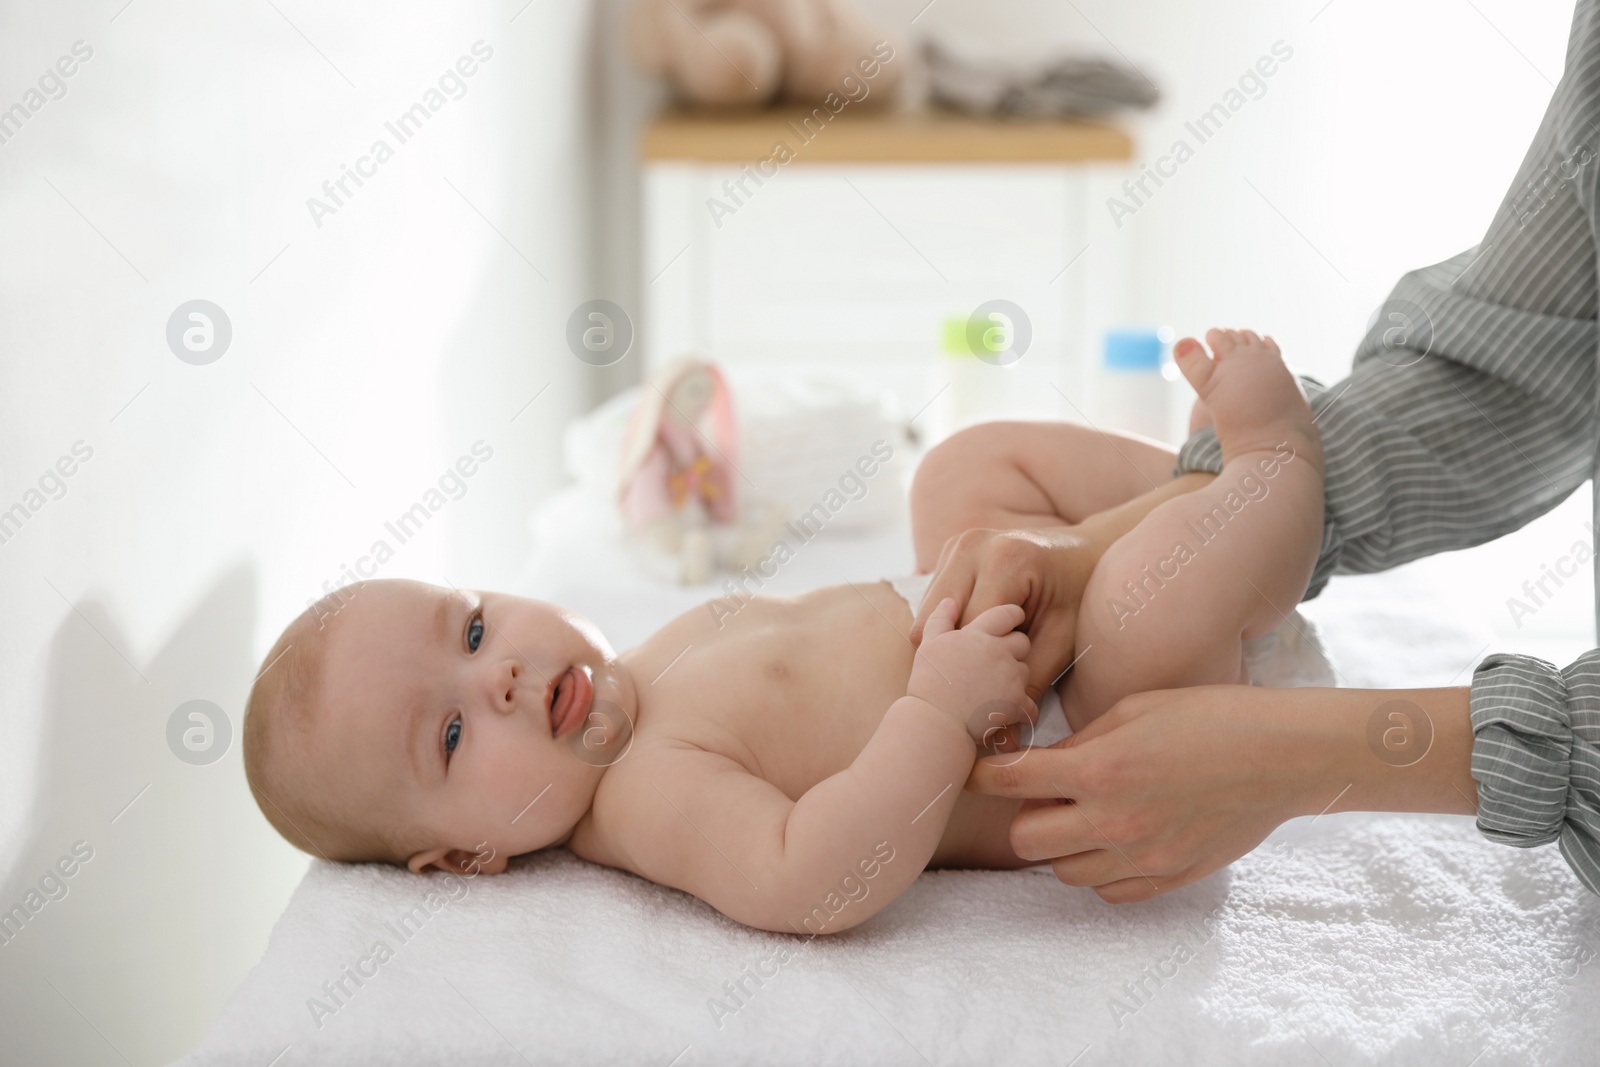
x=532, y=830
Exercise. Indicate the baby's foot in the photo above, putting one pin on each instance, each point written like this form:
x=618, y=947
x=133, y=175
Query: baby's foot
x=1248, y=394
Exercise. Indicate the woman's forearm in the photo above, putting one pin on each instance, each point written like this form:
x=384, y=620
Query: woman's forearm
x=1382, y=750
x=1197, y=777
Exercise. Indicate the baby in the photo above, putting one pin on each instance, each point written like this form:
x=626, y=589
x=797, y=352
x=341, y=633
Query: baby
x=798, y=765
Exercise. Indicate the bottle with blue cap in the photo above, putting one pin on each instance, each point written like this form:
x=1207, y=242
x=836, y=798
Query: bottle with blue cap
x=1134, y=389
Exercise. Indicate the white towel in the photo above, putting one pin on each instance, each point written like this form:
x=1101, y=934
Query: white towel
x=1347, y=939
x=1357, y=938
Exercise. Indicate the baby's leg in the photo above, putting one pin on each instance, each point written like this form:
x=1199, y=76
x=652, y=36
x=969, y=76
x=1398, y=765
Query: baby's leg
x=1170, y=603
x=1014, y=475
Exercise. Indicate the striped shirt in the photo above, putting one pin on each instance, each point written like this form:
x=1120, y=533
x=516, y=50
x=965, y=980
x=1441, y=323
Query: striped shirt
x=1470, y=410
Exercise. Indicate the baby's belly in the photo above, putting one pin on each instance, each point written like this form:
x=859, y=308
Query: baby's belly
x=794, y=689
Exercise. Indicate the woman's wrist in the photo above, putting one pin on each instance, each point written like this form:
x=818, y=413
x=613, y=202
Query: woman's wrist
x=1377, y=750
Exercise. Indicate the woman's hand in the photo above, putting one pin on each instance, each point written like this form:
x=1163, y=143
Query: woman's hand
x=1043, y=570
x=1169, y=786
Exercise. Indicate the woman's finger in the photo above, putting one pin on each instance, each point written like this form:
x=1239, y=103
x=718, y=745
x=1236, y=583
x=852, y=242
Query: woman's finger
x=1092, y=867
x=1045, y=773
x=1137, y=888
x=1043, y=831
x=957, y=570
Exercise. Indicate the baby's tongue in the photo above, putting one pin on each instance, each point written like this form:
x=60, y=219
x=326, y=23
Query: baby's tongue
x=562, y=701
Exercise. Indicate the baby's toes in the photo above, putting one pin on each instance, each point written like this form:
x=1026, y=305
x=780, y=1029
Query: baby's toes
x=1221, y=341
x=1193, y=363
x=1272, y=346
x=1249, y=337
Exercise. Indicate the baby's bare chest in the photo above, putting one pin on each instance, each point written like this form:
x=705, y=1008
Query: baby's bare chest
x=791, y=688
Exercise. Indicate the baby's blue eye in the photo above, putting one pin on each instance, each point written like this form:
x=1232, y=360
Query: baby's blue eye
x=475, y=634
x=452, y=735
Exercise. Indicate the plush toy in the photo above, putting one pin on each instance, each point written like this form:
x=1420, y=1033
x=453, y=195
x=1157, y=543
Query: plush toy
x=749, y=52
x=678, y=462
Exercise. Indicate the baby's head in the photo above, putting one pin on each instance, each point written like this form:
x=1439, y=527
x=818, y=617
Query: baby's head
x=400, y=722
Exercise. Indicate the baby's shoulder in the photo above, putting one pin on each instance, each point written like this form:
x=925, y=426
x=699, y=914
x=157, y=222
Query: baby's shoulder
x=650, y=765
x=644, y=801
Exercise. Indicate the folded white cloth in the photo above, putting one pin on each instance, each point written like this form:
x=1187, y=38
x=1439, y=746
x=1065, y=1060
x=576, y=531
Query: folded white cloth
x=800, y=431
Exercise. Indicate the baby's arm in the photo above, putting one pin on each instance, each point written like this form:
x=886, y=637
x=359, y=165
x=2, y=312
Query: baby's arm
x=854, y=841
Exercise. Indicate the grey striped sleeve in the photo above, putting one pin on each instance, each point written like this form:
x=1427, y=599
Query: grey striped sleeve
x=1536, y=756
x=1430, y=450
x=1469, y=411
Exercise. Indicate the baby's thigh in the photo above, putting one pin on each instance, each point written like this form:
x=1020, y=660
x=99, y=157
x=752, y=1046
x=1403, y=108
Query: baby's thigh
x=1042, y=467
x=1144, y=623
x=1020, y=474
x=978, y=467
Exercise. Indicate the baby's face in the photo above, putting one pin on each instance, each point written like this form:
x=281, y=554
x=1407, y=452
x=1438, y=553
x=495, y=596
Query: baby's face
x=460, y=711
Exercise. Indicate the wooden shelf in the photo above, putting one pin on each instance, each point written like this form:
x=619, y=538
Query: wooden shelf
x=863, y=136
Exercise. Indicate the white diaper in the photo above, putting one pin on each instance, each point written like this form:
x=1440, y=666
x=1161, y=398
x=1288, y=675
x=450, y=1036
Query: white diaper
x=1290, y=656
x=911, y=588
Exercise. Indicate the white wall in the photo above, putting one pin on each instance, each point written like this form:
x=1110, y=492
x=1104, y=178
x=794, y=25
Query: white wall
x=367, y=355
x=1382, y=141
x=1387, y=140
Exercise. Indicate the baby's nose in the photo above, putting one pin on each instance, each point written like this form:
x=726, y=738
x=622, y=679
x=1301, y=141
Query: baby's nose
x=506, y=697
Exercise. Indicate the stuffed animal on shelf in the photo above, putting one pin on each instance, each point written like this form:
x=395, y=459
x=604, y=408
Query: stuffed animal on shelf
x=722, y=53
x=678, y=456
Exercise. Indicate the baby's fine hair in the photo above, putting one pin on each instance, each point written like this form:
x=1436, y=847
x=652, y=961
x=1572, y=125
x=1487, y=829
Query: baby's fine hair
x=283, y=701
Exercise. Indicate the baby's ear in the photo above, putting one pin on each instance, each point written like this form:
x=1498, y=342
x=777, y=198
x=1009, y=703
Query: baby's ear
x=457, y=861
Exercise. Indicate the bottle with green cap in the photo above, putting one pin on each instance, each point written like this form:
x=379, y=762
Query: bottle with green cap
x=981, y=385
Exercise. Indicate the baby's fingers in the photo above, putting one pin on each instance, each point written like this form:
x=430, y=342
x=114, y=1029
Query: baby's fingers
x=999, y=620
x=942, y=621
x=1016, y=644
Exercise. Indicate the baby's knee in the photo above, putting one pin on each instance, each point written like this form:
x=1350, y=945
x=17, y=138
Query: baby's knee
x=1160, y=621
x=1123, y=585
x=958, y=452
x=965, y=463
x=1141, y=605
x=952, y=489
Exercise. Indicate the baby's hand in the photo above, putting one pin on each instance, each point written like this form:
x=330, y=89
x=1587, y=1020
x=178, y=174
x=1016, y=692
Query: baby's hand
x=977, y=675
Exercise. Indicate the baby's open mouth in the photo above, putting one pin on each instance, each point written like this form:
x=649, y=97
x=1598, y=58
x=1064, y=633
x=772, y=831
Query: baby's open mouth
x=570, y=700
